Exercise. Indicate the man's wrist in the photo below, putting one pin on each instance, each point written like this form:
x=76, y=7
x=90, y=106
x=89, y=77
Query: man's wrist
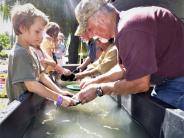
x=99, y=91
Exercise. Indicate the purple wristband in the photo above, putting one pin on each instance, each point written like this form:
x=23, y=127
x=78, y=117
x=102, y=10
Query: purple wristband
x=59, y=101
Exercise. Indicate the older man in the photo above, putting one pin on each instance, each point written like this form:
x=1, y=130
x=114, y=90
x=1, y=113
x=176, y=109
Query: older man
x=150, y=41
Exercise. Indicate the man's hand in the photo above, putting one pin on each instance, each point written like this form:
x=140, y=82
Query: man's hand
x=86, y=81
x=87, y=94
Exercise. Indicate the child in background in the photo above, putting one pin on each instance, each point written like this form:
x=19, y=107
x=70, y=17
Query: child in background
x=60, y=49
x=92, y=51
x=48, y=46
x=107, y=60
x=44, y=59
x=49, y=42
x=24, y=69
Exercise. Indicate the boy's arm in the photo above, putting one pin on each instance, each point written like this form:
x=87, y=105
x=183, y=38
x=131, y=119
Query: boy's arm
x=49, y=62
x=86, y=73
x=40, y=89
x=43, y=91
x=48, y=83
x=85, y=63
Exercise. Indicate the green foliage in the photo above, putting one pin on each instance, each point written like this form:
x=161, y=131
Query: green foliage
x=5, y=11
x=68, y=41
x=3, y=55
x=4, y=42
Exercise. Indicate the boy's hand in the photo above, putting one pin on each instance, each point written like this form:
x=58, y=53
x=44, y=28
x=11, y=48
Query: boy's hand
x=85, y=82
x=67, y=102
x=68, y=94
x=43, y=62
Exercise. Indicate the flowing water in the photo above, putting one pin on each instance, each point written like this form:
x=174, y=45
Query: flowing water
x=99, y=119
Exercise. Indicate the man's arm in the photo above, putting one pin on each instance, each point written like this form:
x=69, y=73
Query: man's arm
x=116, y=73
x=124, y=87
x=121, y=87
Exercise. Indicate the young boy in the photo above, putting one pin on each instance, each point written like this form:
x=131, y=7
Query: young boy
x=24, y=70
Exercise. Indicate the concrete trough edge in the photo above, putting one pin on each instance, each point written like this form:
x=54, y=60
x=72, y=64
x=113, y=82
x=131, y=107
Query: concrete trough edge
x=18, y=116
x=159, y=119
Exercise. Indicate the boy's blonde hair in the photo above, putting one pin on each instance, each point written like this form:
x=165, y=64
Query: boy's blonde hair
x=25, y=15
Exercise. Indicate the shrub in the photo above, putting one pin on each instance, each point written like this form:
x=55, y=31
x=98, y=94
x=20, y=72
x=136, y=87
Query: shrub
x=4, y=41
x=3, y=55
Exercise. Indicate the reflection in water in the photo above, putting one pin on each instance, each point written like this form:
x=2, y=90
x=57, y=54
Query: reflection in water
x=85, y=130
x=99, y=119
x=109, y=127
x=51, y=116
